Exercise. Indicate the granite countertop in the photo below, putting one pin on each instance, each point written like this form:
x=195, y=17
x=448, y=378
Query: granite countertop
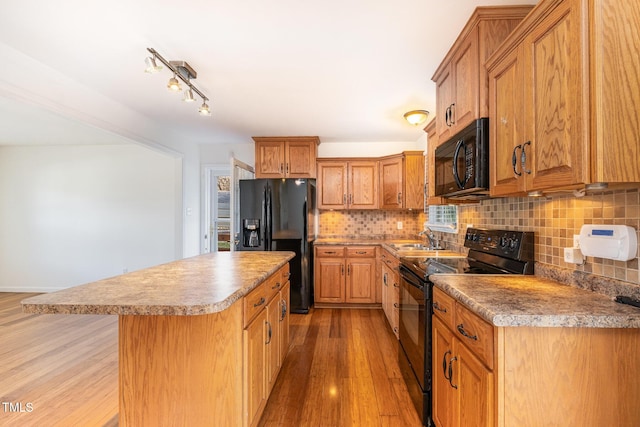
x=199, y=285
x=388, y=243
x=506, y=300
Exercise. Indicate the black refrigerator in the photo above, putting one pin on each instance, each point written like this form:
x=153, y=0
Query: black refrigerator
x=280, y=215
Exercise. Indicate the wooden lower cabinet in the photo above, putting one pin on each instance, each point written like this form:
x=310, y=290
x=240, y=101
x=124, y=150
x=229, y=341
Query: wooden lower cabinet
x=531, y=376
x=390, y=289
x=345, y=274
x=266, y=342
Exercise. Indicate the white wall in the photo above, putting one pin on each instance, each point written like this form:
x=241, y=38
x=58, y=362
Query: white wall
x=221, y=153
x=74, y=214
x=370, y=149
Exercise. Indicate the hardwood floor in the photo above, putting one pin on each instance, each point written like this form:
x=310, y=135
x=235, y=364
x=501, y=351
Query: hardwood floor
x=59, y=370
x=341, y=371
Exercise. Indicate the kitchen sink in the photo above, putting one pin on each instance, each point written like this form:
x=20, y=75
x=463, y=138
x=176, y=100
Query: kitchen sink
x=411, y=247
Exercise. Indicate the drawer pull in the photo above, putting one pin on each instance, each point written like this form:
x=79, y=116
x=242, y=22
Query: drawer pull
x=460, y=328
x=396, y=305
x=269, y=333
x=276, y=286
x=259, y=303
x=440, y=309
x=361, y=252
x=395, y=285
x=330, y=252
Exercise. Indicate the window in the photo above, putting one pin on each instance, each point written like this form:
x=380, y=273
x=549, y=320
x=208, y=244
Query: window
x=443, y=218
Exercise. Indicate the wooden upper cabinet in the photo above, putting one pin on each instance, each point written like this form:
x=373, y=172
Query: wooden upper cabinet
x=402, y=181
x=363, y=184
x=344, y=184
x=286, y=157
x=461, y=79
x=560, y=111
x=391, y=182
x=615, y=89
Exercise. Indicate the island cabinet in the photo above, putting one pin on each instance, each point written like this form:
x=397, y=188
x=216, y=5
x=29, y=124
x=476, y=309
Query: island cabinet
x=347, y=184
x=345, y=275
x=563, y=110
x=529, y=376
x=461, y=78
x=402, y=181
x=266, y=341
x=286, y=157
x=390, y=289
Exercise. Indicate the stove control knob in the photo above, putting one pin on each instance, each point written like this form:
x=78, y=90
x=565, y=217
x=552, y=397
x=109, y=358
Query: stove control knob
x=504, y=241
x=513, y=243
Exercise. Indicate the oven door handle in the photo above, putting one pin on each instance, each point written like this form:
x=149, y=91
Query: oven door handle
x=411, y=278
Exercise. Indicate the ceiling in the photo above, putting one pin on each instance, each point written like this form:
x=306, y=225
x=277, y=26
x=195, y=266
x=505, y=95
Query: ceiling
x=343, y=70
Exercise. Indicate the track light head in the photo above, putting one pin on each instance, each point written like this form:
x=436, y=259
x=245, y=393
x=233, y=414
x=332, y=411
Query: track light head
x=204, y=109
x=151, y=66
x=188, y=96
x=174, y=84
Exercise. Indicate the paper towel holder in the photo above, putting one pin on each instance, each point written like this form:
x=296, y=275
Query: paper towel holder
x=616, y=242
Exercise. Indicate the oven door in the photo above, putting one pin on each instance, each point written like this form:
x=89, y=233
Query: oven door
x=413, y=322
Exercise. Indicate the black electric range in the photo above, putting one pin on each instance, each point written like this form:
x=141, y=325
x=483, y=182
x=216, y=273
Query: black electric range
x=490, y=252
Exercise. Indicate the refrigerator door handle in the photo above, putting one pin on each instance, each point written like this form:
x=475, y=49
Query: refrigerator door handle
x=267, y=223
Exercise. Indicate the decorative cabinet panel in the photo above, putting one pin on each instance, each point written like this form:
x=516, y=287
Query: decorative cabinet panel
x=286, y=157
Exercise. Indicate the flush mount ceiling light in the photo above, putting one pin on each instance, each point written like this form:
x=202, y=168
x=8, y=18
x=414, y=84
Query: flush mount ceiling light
x=181, y=72
x=416, y=117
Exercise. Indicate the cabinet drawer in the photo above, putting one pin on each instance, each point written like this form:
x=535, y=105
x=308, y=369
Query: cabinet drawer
x=443, y=307
x=284, y=274
x=475, y=333
x=361, y=252
x=330, y=251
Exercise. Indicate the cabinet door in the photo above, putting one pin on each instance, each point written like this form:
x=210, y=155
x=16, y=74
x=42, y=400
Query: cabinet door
x=329, y=279
x=466, y=75
x=413, y=181
x=444, y=99
x=301, y=159
x=270, y=159
x=272, y=343
x=616, y=88
x=386, y=293
x=506, y=112
x=556, y=143
x=391, y=173
x=361, y=275
x=475, y=389
x=283, y=320
x=332, y=185
x=254, y=364
x=363, y=185
x=444, y=395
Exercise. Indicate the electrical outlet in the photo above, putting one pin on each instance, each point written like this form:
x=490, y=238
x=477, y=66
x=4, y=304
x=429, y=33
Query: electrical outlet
x=576, y=240
x=399, y=225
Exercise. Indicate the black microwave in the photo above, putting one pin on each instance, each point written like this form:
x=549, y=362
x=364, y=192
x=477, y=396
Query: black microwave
x=462, y=163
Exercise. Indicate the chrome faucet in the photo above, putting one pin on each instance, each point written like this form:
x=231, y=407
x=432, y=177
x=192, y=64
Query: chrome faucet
x=434, y=243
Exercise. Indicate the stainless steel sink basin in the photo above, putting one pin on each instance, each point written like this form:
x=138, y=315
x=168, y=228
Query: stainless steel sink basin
x=411, y=247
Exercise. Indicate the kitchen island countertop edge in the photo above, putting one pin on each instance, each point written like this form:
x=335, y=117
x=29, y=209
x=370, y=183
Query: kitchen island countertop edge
x=198, y=285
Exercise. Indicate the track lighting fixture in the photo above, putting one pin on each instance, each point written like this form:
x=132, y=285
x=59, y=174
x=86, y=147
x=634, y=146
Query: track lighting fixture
x=204, y=109
x=152, y=67
x=174, y=84
x=188, y=96
x=181, y=72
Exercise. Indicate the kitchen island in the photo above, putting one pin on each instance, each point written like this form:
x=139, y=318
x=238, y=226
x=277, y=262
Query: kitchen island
x=182, y=329
x=528, y=351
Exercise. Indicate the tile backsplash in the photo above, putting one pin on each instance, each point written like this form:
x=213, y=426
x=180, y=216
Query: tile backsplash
x=553, y=220
x=370, y=224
